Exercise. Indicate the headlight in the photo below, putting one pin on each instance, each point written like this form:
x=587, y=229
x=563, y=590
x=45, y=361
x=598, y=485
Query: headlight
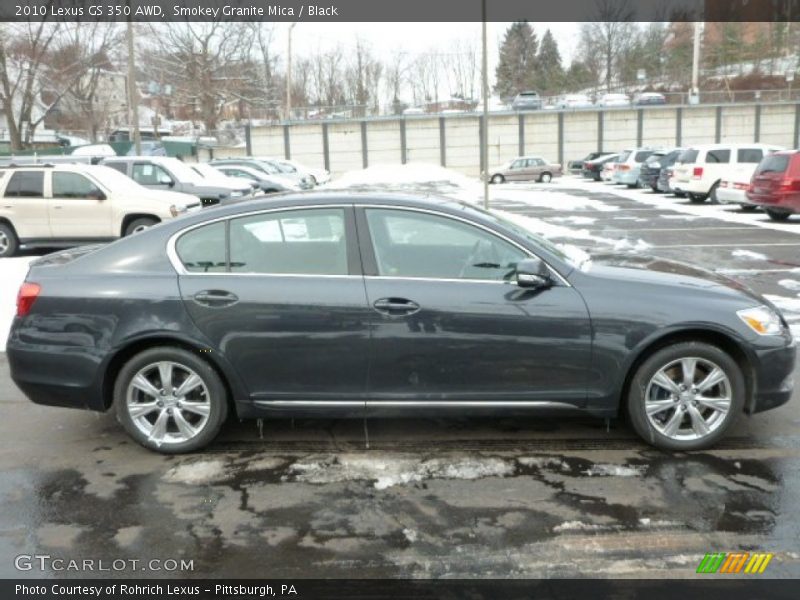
x=177, y=209
x=761, y=319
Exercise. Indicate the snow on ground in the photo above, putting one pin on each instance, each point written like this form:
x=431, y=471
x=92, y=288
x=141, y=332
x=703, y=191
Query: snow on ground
x=603, y=470
x=739, y=253
x=203, y=471
x=12, y=274
x=387, y=470
x=391, y=176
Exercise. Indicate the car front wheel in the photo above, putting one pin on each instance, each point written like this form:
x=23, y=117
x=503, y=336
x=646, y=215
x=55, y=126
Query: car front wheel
x=545, y=178
x=170, y=400
x=8, y=241
x=498, y=178
x=686, y=396
x=139, y=225
x=697, y=198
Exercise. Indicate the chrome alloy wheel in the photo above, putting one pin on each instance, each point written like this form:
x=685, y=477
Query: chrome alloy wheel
x=688, y=399
x=168, y=402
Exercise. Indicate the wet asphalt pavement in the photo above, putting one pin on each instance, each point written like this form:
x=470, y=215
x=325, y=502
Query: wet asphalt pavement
x=428, y=498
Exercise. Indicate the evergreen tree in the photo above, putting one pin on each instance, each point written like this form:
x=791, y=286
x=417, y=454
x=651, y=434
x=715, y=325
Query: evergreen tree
x=550, y=71
x=516, y=69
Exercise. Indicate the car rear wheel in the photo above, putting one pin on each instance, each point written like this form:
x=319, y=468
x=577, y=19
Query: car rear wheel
x=680, y=194
x=8, y=241
x=545, y=178
x=685, y=396
x=748, y=207
x=498, y=178
x=712, y=194
x=139, y=225
x=777, y=215
x=697, y=198
x=170, y=400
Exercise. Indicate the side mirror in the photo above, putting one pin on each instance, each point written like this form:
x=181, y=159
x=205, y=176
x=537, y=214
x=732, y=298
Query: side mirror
x=166, y=181
x=533, y=273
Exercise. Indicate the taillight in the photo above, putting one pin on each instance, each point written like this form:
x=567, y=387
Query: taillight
x=624, y=167
x=27, y=295
x=697, y=172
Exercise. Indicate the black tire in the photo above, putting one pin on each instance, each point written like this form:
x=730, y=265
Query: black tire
x=9, y=244
x=217, y=398
x=680, y=194
x=597, y=177
x=139, y=225
x=633, y=186
x=497, y=178
x=635, y=405
x=313, y=180
x=545, y=177
x=712, y=194
x=778, y=215
x=697, y=198
x=655, y=189
x=748, y=207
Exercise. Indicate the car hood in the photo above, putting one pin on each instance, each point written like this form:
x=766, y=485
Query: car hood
x=659, y=271
x=166, y=197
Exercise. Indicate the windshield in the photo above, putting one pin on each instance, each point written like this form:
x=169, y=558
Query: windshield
x=525, y=228
x=114, y=180
x=181, y=171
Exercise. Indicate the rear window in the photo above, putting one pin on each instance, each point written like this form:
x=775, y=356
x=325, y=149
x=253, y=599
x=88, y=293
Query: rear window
x=623, y=157
x=642, y=154
x=718, y=156
x=654, y=159
x=749, y=155
x=688, y=156
x=775, y=163
x=26, y=184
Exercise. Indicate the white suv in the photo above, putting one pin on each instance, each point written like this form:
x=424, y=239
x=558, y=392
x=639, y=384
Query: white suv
x=699, y=169
x=70, y=204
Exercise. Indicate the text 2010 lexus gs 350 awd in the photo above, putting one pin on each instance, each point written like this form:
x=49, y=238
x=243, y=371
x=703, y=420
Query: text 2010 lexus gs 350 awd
x=346, y=305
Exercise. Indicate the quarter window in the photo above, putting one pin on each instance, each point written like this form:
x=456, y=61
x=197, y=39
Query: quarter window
x=749, y=155
x=718, y=156
x=73, y=185
x=26, y=184
x=412, y=244
x=202, y=250
x=307, y=242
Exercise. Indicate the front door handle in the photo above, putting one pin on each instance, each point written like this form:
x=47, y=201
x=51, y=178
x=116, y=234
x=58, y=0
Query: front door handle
x=396, y=306
x=215, y=298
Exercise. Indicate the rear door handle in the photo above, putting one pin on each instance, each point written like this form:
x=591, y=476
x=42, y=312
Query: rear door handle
x=396, y=306
x=215, y=298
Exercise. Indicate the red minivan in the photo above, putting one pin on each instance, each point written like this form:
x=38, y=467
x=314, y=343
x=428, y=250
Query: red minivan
x=775, y=185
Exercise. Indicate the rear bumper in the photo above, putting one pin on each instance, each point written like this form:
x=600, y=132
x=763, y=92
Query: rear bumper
x=732, y=195
x=629, y=177
x=784, y=201
x=690, y=186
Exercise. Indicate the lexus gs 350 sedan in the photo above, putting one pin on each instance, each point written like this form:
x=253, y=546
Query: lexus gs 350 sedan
x=338, y=304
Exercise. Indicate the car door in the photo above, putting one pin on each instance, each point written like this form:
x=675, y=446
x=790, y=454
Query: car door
x=25, y=204
x=152, y=176
x=449, y=326
x=78, y=208
x=516, y=170
x=283, y=300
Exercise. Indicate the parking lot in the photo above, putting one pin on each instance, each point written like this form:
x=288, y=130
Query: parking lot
x=435, y=498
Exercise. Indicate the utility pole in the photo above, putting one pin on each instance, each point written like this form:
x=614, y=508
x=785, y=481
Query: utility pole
x=485, y=132
x=694, y=98
x=133, y=96
x=289, y=75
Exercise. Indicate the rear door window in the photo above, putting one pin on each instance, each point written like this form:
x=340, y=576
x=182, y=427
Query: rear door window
x=26, y=184
x=202, y=250
x=749, y=155
x=718, y=156
x=74, y=185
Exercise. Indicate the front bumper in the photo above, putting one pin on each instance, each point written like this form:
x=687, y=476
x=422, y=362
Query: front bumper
x=773, y=363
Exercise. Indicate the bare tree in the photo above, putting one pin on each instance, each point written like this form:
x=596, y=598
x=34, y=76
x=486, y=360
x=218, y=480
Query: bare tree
x=363, y=76
x=396, y=75
x=271, y=86
x=463, y=69
x=608, y=37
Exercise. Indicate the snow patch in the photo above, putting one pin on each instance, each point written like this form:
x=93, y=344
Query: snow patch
x=574, y=220
x=543, y=461
x=739, y=253
x=12, y=274
x=578, y=526
x=790, y=284
x=637, y=246
x=204, y=471
x=604, y=470
x=410, y=535
x=402, y=175
x=388, y=470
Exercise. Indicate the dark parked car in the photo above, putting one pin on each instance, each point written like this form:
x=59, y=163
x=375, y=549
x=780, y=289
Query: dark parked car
x=665, y=171
x=576, y=166
x=650, y=99
x=593, y=168
x=383, y=305
x=775, y=185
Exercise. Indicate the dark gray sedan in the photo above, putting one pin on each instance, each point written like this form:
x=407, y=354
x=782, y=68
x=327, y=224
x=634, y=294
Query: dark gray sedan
x=375, y=305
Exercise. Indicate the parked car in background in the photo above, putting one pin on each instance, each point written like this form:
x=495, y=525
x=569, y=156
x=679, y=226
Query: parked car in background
x=699, y=169
x=315, y=175
x=592, y=169
x=629, y=164
x=223, y=312
x=734, y=191
x=268, y=167
x=166, y=173
x=575, y=101
x=525, y=168
x=650, y=171
x=775, y=185
x=529, y=100
x=667, y=163
x=607, y=173
x=266, y=183
x=576, y=166
x=414, y=110
x=72, y=204
x=650, y=99
x=213, y=176
x=614, y=100
x=148, y=148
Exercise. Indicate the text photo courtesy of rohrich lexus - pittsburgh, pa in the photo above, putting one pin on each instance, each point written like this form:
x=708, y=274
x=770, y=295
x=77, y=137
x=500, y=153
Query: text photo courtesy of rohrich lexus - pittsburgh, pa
x=366, y=299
